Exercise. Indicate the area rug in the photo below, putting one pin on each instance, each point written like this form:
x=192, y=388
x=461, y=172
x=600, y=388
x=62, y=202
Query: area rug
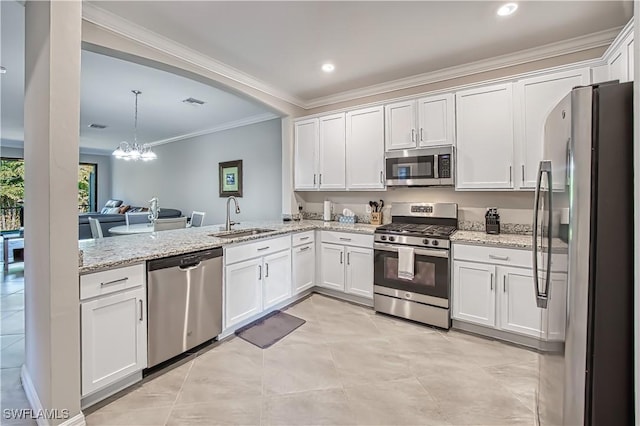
x=267, y=331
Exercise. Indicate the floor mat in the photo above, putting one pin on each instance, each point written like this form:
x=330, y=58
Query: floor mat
x=267, y=331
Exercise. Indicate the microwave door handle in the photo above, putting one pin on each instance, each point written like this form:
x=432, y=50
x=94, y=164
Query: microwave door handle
x=435, y=167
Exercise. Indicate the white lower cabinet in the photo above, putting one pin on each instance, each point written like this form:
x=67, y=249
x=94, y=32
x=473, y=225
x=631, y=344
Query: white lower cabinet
x=243, y=291
x=359, y=272
x=332, y=273
x=276, y=281
x=114, y=338
x=474, y=293
x=304, y=267
x=518, y=310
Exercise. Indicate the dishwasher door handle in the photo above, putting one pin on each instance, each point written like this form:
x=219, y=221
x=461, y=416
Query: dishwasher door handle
x=190, y=267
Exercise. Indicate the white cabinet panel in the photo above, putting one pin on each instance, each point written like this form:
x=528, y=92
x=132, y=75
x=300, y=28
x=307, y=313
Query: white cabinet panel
x=518, y=310
x=400, y=125
x=365, y=149
x=332, y=152
x=436, y=124
x=306, y=139
x=474, y=293
x=629, y=45
x=243, y=291
x=618, y=66
x=536, y=98
x=555, y=321
x=114, y=338
x=276, y=278
x=484, y=134
x=360, y=272
x=332, y=260
x=304, y=267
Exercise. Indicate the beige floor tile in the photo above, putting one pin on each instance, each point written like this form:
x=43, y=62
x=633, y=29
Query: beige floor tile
x=399, y=402
x=9, y=339
x=298, y=367
x=520, y=379
x=488, y=352
x=12, y=302
x=144, y=417
x=326, y=306
x=12, y=356
x=233, y=368
x=325, y=407
x=310, y=332
x=12, y=322
x=305, y=310
x=348, y=326
x=161, y=391
x=368, y=361
x=225, y=411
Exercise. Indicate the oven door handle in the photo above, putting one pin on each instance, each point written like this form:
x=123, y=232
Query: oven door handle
x=418, y=251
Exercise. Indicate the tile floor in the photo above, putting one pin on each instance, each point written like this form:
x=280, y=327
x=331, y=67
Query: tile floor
x=346, y=365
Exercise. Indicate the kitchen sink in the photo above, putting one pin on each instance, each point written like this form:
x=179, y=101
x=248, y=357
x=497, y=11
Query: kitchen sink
x=241, y=233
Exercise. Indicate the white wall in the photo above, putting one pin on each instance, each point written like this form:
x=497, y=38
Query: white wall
x=185, y=175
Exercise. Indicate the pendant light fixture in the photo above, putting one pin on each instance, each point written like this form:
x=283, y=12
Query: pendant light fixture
x=134, y=151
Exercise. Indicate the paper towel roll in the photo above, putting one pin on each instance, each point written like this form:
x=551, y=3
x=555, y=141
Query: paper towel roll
x=327, y=211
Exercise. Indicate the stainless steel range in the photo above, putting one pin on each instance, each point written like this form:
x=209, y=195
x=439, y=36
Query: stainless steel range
x=411, y=262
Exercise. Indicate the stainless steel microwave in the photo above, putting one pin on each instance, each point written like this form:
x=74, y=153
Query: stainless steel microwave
x=420, y=167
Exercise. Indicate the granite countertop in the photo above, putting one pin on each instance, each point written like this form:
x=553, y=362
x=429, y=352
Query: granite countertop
x=112, y=252
x=501, y=240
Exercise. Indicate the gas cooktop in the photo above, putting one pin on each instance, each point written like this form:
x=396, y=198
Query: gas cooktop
x=418, y=230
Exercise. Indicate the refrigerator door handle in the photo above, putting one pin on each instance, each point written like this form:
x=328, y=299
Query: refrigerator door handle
x=541, y=297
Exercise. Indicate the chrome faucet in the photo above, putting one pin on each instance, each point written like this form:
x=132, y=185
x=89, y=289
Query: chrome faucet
x=229, y=223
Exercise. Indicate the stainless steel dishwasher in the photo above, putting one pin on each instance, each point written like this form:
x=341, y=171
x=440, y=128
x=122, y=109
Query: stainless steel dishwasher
x=184, y=297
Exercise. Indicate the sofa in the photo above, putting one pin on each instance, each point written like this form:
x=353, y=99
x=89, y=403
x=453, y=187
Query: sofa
x=108, y=218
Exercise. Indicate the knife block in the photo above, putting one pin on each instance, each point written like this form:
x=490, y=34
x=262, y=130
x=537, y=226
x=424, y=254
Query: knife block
x=376, y=218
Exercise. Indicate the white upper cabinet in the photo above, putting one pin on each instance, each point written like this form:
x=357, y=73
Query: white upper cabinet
x=401, y=125
x=306, y=138
x=484, y=133
x=436, y=121
x=620, y=60
x=365, y=149
x=424, y=122
x=332, y=152
x=535, y=98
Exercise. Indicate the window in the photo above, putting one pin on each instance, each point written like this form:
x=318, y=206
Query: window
x=12, y=191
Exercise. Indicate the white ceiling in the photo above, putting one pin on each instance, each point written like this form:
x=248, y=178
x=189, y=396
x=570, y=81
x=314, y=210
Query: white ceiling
x=284, y=43
x=106, y=97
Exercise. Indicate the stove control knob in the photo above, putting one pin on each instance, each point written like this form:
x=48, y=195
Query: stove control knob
x=425, y=242
x=383, y=238
x=392, y=238
x=435, y=242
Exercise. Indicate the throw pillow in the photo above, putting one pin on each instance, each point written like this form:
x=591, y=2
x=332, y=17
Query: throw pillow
x=123, y=209
x=110, y=210
x=113, y=203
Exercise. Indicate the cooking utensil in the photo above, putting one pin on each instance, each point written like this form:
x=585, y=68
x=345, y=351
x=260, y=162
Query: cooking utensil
x=381, y=205
x=375, y=206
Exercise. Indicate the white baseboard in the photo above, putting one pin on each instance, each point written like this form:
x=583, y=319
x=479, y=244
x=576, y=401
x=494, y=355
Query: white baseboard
x=36, y=405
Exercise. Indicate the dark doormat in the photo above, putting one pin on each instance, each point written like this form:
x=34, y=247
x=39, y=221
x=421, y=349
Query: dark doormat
x=267, y=331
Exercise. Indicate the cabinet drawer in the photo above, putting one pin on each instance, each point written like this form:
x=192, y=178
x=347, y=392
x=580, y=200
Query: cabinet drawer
x=348, y=239
x=247, y=251
x=302, y=238
x=504, y=256
x=110, y=281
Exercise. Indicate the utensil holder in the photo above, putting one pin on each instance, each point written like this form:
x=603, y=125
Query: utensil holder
x=376, y=218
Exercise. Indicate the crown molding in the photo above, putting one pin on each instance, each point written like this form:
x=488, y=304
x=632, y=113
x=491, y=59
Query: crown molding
x=226, y=126
x=573, y=45
x=139, y=34
x=626, y=30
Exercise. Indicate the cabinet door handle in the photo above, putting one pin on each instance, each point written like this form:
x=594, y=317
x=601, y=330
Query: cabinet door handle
x=314, y=178
x=345, y=239
x=266, y=270
x=320, y=181
x=504, y=284
x=381, y=177
x=348, y=258
x=118, y=281
x=510, y=174
x=421, y=135
x=304, y=249
x=304, y=238
x=492, y=281
x=259, y=272
x=413, y=135
x=522, y=167
x=141, y=310
x=263, y=248
x=494, y=257
x=341, y=258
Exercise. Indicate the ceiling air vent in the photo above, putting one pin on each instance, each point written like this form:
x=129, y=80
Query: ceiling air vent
x=97, y=126
x=193, y=101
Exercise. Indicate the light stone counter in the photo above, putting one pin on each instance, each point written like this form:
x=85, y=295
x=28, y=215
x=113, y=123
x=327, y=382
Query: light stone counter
x=502, y=240
x=113, y=252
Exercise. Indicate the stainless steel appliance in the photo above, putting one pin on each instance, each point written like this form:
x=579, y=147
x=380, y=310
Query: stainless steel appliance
x=587, y=168
x=425, y=227
x=420, y=167
x=184, y=297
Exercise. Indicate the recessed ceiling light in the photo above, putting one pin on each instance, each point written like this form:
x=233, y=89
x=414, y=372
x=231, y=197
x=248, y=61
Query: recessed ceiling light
x=3, y=70
x=507, y=9
x=328, y=67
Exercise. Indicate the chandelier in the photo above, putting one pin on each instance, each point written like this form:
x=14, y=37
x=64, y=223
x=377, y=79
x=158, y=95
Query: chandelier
x=134, y=151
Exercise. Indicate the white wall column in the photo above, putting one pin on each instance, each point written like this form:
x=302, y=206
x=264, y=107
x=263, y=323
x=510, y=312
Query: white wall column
x=289, y=203
x=51, y=374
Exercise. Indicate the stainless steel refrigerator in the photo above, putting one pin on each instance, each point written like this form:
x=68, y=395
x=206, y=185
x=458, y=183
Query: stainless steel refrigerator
x=584, y=210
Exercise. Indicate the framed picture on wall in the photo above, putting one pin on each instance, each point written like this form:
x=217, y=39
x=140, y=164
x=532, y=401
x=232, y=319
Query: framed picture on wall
x=231, y=178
